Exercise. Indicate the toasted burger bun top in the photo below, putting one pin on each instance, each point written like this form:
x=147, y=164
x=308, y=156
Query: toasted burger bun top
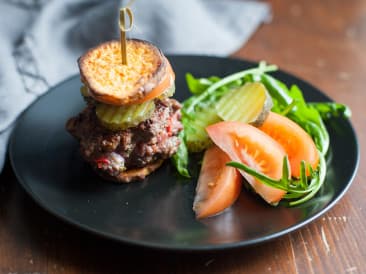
x=111, y=82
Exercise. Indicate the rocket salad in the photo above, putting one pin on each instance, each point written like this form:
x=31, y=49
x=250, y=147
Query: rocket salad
x=249, y=97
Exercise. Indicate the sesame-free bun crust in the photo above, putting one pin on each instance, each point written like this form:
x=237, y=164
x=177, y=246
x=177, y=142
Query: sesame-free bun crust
x=111, y=82
x=132, y=175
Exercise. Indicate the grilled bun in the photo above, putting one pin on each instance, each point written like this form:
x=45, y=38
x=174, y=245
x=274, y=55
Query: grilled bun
x=110, y=82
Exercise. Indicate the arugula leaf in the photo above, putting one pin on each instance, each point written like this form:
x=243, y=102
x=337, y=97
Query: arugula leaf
x=298, y=190
x=309, y=118
x=328, y=110
x=180, y=158
x=277, y=90
x=199, y=85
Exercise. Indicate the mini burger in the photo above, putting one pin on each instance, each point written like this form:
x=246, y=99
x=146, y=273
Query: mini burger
x=130, y=124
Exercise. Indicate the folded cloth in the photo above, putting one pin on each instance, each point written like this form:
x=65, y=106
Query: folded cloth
x=41, y=40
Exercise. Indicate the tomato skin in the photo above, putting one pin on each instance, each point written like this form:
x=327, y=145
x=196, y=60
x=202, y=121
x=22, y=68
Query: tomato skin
x=247, y=144
x=218, y=185
x=297, y=142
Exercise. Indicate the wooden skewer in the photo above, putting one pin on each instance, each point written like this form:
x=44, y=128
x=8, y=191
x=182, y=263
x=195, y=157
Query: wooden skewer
x=123, y=30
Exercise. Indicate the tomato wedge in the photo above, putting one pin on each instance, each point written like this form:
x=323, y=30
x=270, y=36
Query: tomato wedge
x=247, y=144
x=167, y=81
x=297, y=142
x=218, y=185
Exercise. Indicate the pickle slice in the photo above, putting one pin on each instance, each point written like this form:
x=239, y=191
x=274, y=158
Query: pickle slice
x=84, y=91
x=250, y=103
x=196, y=138
x=119, y=118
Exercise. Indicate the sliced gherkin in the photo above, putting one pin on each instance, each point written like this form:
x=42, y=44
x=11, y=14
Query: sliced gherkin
x=196, y=138
x=250, y=103
x=122, y=117
x=84, y=91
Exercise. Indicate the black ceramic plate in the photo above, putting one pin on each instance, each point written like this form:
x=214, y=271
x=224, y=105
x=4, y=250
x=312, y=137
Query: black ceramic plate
x=157, y=212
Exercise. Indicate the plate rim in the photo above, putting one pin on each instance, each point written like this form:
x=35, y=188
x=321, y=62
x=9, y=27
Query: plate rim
x=182, y=248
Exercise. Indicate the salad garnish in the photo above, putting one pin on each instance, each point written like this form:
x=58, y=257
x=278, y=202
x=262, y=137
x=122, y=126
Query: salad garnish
x=200, y=110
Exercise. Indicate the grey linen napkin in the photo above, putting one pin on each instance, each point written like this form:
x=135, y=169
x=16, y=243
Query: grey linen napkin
x=41, y=40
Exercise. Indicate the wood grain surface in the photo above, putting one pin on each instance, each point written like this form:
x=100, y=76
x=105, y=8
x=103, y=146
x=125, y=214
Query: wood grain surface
x=323, y=42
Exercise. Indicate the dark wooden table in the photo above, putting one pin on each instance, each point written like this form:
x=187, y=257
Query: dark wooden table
x=323, y=42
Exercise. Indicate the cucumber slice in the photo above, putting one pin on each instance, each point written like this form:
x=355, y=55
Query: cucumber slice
x=119, y=118
x=249, y=103
x=196, y=136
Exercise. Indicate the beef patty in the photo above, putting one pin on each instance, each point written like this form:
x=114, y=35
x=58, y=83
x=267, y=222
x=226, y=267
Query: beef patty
x=112, y=152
